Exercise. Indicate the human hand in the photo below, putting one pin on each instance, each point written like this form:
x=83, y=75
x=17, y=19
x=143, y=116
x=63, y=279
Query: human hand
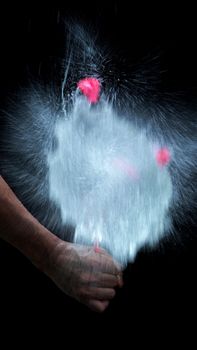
x=87, y=275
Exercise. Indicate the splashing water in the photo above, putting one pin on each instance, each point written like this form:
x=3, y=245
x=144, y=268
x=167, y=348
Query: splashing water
x=104, y=177
x=117, y=168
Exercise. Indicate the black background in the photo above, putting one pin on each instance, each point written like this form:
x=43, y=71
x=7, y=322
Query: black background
x=160, y=287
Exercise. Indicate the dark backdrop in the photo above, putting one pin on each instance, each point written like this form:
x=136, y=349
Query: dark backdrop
x=160, y=287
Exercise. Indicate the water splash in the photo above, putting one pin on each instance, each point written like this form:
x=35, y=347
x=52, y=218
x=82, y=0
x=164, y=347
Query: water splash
x=104, y=177
x=119, y=171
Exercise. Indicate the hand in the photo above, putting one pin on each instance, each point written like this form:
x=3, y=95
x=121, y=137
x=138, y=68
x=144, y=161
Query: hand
x=87, y=275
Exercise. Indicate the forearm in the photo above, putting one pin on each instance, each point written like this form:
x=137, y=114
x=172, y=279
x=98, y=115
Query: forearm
x=19, y=228
x=88, y=276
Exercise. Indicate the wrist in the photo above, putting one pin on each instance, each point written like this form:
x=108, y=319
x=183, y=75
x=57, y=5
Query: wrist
x=58, y=251
x=47, y=243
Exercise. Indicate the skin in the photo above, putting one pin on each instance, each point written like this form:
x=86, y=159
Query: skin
x=86, y=274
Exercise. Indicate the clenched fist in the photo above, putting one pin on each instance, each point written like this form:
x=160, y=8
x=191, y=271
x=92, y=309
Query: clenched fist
x=87, y=275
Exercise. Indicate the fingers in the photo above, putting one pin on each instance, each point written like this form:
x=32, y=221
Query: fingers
x=107, y=280
x=88, y=276
x=120, y=280
x=116, y=267
x=104, y=263
x=98, y=305
x=97, y=293
x=97, y=259
x=99, y=279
